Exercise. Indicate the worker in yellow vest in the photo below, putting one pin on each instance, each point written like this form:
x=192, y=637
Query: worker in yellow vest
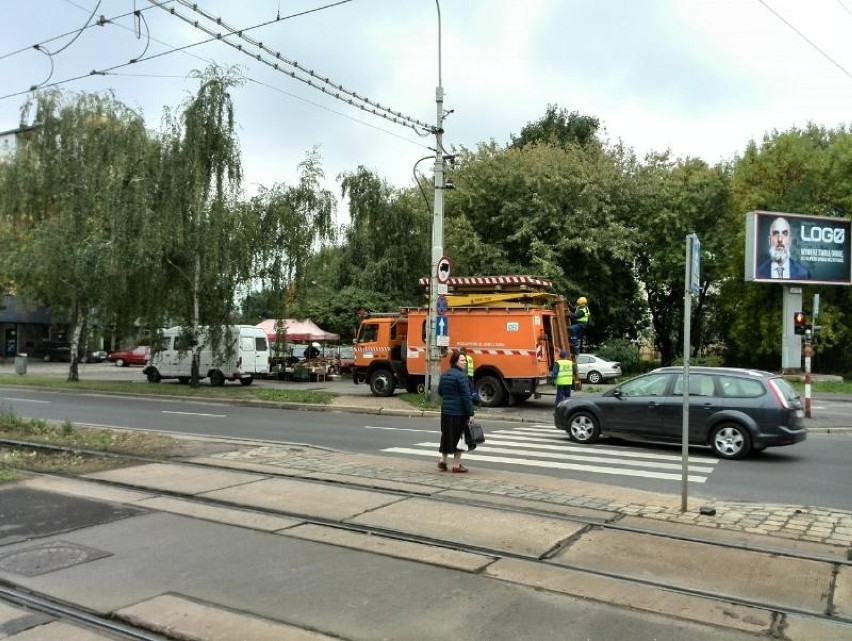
x=580, y=318
x=470, y=371
x=562, y=376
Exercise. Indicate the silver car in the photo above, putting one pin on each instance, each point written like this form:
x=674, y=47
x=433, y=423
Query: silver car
x=594, y=369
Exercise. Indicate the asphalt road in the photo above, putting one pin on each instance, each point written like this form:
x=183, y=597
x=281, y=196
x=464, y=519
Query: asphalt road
x=815, y=472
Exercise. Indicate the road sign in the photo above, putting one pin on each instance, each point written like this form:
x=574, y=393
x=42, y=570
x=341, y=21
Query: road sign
x=441, y=305
x=444, y=266
x=695, y=268
x=442, y=331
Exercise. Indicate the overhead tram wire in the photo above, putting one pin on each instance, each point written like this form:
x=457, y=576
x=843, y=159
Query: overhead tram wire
x=183, y=49
x=98, y=23
x=806, y=39
x=106, y=70
x=315, y=81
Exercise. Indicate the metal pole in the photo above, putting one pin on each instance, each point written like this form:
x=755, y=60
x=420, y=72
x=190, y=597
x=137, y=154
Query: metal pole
x=808, y=373
x=433, y=356
x=687, y=339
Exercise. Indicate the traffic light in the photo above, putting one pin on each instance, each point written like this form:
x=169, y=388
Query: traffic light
x=799, y=322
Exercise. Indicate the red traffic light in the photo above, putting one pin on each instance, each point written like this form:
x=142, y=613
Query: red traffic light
x=799, y=322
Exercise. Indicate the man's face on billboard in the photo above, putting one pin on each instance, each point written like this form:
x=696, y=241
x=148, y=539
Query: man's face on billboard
x=780, y=240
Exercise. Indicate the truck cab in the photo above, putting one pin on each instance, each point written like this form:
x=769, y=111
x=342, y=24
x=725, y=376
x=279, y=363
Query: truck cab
x=380, y=353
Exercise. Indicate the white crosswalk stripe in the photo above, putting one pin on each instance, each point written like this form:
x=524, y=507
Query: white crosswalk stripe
x=543, y=446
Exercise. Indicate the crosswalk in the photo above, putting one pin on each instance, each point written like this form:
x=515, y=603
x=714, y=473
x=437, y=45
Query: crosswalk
x=542, y=446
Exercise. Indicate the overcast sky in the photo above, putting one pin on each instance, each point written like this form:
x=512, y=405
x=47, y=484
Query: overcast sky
x=701, y=77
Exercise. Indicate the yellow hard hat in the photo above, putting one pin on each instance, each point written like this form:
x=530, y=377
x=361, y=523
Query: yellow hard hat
x=582, y=300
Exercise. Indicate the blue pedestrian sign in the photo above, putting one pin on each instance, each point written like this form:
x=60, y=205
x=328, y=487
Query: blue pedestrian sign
x=441, y=305
x=442, y=331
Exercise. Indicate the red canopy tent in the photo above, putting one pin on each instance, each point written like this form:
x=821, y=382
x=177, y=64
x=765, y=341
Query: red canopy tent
x=297, y=330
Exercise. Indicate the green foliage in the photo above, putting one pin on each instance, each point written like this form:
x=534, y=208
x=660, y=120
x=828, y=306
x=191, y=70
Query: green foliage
x=201, y=235
x=621, y=351
x=553, y=212
x=387, y=245
x=72, y=204
x=670, y=199
x=558, y=127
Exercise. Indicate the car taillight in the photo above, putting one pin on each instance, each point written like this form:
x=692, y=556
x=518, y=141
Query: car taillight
x=779, y=395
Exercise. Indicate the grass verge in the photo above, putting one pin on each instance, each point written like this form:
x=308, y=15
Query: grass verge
x=171, y=388
x=15, y=460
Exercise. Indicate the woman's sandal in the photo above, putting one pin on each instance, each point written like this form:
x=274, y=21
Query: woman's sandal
x=459, y=469
x=442, y=466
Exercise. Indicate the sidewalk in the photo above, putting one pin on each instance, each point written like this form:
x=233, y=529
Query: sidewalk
x=257, y=570
x=167, y=560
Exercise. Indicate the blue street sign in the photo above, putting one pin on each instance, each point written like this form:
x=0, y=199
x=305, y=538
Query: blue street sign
x=441, y=305
x=442, y=331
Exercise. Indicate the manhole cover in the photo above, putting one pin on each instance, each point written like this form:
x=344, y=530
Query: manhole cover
x=49, y=557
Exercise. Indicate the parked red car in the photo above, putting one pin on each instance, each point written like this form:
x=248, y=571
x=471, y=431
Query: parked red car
x=136, y=356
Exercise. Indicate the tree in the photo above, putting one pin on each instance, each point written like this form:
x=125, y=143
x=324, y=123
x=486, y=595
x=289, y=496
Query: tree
x=294, y=220
x=672, y=198
x=558, y=127
x=387, y=247
x=201, y=235
x=555, y=212
x=73, y=201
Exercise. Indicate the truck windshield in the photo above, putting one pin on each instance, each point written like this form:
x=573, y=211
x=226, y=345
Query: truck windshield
x=369, y=333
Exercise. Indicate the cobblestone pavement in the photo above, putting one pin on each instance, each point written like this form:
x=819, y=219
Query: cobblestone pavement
x=801, y=523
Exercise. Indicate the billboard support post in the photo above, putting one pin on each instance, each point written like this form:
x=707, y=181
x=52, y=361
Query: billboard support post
x=808, y=336
x=791, y=343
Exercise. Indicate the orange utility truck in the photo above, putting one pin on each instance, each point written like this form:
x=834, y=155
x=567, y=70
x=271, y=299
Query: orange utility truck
x=513, y=326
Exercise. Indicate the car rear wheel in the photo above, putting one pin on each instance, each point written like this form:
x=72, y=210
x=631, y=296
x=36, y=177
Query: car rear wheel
x=594, y=377
x=584, y=428
x=491, y=391
x=119, y=362
x=730, y=441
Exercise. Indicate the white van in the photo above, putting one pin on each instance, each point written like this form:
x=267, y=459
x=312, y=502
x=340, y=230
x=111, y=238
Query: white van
x=249, y=358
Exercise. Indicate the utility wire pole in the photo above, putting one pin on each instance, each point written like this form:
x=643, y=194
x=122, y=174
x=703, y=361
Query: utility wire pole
x=433, y=352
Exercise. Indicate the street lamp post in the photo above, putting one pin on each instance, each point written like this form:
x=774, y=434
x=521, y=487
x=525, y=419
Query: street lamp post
x=433, y=353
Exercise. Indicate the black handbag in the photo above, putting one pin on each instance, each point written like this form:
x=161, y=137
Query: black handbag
x=477, y=436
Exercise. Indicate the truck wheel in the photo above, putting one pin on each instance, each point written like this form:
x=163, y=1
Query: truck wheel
x=491, y=391
x=382, y=383
x=246, y=381
x=217, y=378
x=153, y=376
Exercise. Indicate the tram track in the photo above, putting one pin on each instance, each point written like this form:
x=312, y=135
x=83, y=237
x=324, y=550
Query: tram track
x=587, y=524
x=74, y=615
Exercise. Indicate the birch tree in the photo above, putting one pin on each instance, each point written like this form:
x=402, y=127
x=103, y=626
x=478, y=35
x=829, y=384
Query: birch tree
x=203, y=233
x=73, y=200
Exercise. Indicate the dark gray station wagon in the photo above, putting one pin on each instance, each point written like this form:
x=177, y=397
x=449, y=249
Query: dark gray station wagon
x=734, y=411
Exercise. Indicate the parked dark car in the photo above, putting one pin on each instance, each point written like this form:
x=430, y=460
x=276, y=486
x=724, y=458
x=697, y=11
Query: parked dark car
x=734, y=411
x=126, y=358
x=345, y=359
x=60, y=351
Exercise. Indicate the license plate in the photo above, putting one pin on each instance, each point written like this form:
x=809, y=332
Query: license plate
x=542, y=381
x=800, y=414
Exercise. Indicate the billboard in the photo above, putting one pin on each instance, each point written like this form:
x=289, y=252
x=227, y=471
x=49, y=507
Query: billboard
x=797, y=249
